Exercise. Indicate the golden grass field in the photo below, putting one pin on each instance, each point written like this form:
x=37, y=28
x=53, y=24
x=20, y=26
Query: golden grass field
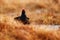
x=40, y=12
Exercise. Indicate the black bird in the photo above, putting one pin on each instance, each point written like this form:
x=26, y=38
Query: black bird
x=23, y=18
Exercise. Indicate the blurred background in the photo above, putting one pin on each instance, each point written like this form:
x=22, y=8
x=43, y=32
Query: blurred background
x=39, y=11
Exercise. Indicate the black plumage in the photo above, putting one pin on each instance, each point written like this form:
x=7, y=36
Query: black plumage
x=23, y=18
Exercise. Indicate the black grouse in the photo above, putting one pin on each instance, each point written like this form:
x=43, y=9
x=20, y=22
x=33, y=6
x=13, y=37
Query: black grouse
x=23, y=18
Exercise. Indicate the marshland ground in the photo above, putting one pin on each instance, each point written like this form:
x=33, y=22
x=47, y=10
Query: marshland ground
x=42, y=14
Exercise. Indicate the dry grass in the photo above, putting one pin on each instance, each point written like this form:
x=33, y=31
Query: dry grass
x=39, y=12
x=25, y=32
x=11, y=29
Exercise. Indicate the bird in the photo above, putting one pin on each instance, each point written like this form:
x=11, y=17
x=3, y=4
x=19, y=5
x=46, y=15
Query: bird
x=23, y=18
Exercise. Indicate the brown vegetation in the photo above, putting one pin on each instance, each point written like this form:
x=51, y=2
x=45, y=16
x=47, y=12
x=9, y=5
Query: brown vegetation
x=39, y=12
